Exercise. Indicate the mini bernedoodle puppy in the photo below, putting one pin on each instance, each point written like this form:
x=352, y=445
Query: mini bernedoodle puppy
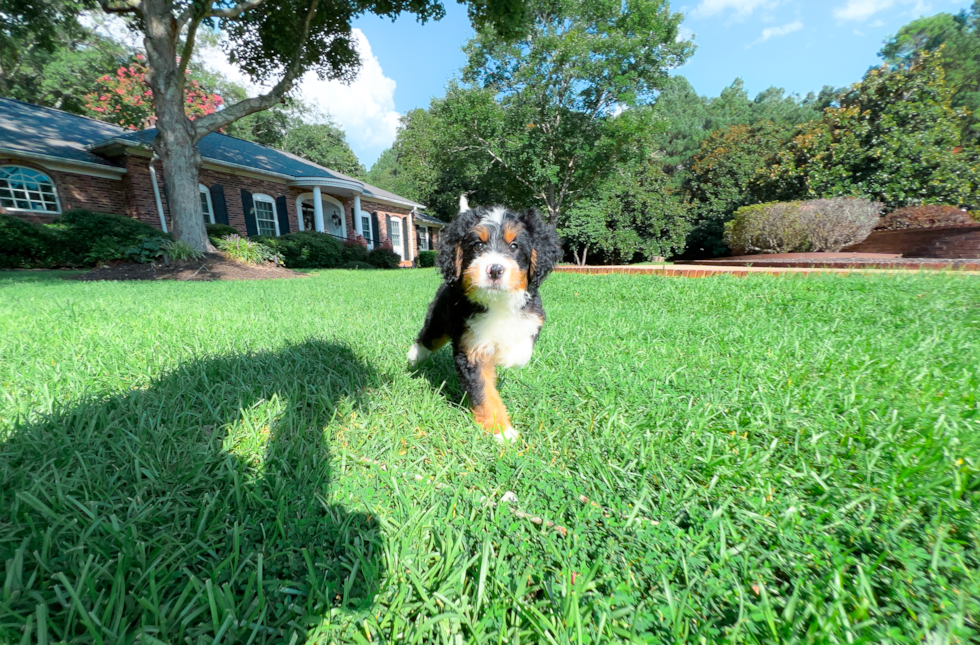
x=493, y=261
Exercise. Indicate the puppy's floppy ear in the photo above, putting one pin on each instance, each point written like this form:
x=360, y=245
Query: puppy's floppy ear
x=546, y=249
x=450, y=256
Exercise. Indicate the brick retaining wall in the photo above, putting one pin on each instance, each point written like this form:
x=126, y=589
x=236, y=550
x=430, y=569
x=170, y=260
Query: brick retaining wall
x=950, y=242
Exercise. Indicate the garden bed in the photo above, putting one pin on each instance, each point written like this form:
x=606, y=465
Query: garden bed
x=213, y=266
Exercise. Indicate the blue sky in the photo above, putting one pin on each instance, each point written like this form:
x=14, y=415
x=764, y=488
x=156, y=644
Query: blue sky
x=799, y=45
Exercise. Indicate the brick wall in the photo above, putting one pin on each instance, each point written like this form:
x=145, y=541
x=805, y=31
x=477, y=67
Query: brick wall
x=75, y=191
x=393, y=211
x=947, y=242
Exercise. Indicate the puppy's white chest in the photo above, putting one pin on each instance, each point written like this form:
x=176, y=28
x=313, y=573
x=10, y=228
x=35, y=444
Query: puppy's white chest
x=506, y=336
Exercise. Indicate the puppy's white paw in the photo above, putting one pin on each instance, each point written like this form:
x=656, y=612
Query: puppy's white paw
x=507, y=436
x=417, y=354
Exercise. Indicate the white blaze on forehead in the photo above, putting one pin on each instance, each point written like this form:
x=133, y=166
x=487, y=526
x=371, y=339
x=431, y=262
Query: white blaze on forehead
x=495, y=215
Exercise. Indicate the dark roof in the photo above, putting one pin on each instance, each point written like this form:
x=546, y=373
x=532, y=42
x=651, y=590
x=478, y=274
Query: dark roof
x=222, y=148
x=428, y=219
x=32, y=129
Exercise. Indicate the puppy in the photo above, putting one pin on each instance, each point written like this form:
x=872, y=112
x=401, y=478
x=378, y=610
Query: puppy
x=493, y=261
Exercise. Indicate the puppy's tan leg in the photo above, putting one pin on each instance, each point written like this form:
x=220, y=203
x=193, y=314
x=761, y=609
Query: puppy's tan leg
x=479, y=379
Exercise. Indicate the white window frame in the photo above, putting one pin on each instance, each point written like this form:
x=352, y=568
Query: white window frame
x=54, y=190
x=424, y=238
x=368, y=232
x=262, y=197
x=399, y=247
x=207, y=192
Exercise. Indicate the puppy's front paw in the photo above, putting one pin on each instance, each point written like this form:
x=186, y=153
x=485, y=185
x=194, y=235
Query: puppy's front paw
x=417, y=355
x=507, y=436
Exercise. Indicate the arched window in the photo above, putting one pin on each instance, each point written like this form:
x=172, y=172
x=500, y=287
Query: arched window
x=265, y=214
x=26, y=189
x=206, y=208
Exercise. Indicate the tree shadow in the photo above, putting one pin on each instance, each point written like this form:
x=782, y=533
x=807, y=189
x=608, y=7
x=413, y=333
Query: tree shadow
x=193, y=509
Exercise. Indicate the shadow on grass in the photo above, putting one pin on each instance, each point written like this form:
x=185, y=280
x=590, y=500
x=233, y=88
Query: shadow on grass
x=193, y=510
x=439, y=370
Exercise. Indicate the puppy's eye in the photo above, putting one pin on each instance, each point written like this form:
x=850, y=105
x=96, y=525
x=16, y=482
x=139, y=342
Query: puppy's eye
x=513, y=246
x=479, y=246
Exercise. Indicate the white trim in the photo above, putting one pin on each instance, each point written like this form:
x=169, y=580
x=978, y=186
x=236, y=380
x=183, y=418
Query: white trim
x=309, y=182
x=54, y=192
x=265, y=199
x=64, y=165
x=201, y=188
x=393, y=202
x=370, y=236
x=399, y=248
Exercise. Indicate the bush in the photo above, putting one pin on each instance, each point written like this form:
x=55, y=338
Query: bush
x=796, y=227
x=103, y=251
x=354, y=264
x=354, y=252
x=181, y=250
x=24, y=245
x=245, y=250
x=145, y=250
x=384, y=258
x=307, y=250
x=427, y=259
x=924, y=217
x=220, y=230
x=80, y=229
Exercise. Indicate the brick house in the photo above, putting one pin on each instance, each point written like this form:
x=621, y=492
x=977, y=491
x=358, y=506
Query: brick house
x=52, y=161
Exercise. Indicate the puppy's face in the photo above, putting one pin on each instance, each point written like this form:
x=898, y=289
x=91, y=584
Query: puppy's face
x=495, y=257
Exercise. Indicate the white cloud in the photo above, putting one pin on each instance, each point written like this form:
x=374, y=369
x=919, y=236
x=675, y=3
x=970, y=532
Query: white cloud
x=709, y=8
x=364, y=109
x=877, y=23
x=858, y=32
x=864, y=9
x=776, y=32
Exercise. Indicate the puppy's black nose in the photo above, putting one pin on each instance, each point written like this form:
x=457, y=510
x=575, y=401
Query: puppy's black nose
x=495, y=271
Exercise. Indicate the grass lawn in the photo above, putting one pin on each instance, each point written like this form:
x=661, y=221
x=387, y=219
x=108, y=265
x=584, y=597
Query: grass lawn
x=777, y=459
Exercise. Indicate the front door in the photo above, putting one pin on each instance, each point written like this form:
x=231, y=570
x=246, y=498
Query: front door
x=396, y=237
x=309, y=216
x=333, y=219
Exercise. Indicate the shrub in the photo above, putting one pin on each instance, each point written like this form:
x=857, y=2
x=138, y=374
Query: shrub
x=24, y=245
x=145, y=250
x=384, y=258
x=794, y=227
x=245, y=250
x=307, y=250
x=354, y=252
x=80, y=229
x=104, y=251
x=181, y=250
x=427, y=259
x=925, y=216
x=220, y=230
x=354, y=264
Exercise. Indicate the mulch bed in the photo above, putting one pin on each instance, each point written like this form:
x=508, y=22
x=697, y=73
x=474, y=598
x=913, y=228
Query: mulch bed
x=213, y=266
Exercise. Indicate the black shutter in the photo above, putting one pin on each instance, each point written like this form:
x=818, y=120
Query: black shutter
x=375, y=233
x=405, y=235
x=283, y=215
x=388, y=227
x=418, y=242
x=249, y=210
x=218, y=202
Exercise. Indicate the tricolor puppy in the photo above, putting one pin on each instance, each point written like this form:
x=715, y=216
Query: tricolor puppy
x=493, y=261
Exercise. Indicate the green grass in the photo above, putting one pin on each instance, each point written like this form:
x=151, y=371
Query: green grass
x=184, y=463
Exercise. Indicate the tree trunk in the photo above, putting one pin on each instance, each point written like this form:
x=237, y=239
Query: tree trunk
x=585, y=252
x=174, y=143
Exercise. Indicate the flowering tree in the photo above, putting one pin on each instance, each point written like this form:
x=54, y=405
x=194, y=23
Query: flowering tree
x=126, y=99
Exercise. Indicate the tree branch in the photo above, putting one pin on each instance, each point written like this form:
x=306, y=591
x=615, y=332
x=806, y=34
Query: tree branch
x=120, y=6
x=188, y=51
x=237, y=10
x=232, y=113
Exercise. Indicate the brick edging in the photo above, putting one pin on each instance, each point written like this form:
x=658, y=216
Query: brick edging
x=682, y=271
